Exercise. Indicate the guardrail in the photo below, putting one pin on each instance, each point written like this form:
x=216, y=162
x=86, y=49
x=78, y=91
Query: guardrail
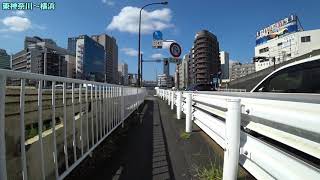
x=78, y=118
x=231, y=90
x=271, y=139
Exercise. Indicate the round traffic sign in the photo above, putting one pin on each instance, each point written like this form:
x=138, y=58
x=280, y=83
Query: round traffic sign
x=175, y=49
x=157, y=35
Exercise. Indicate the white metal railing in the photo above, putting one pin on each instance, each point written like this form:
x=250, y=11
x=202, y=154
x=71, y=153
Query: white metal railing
x=87, y=112
x=291, y=124
x=231, y=90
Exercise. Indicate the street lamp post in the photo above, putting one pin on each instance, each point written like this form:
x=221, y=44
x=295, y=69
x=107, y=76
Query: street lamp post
x=139, y=49
x=141, y=66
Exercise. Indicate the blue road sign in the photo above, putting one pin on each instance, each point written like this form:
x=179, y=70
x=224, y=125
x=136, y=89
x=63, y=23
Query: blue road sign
x=157, y=35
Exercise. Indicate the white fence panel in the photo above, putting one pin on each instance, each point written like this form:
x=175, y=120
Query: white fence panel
x=81, y=115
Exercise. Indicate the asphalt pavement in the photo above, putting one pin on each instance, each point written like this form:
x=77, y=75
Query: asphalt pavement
x=152, y=145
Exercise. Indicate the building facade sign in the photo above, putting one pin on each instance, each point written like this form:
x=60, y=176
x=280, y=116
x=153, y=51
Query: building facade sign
x=284, y=26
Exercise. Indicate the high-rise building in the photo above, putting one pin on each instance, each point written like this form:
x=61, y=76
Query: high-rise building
x=132, y=79
x=176, y=78
x=71, y=66
x=41, y=56
x=4, y=60
x=111, y=48
x=239, y=70
x=183, y=72
x=90, y=59
x=72, y=45
x=166, y=67
x=191, y=79
x=123, y=73
x=206, y=61
x=165, y=81
x=224, y=59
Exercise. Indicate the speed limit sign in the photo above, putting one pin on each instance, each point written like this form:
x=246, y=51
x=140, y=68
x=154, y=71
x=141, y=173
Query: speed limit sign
x=175, y=49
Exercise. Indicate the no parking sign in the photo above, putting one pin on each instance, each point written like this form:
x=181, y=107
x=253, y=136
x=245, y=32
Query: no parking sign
x=175, y=49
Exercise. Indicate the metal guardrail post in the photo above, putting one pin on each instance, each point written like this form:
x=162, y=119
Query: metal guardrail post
x=3, y=167
x=231, y=154
x=122, y=106
x=169, y=97
x=162, y=94
x=22, y=129
x=172, y=99
x=179, y=104
x=165, y=95
x=40, y=127
x=189, y=113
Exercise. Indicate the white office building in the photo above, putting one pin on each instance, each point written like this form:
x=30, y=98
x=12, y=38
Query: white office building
x=183, y=72
x=224, y=59
x=123, y=73
x=286, y=47
x=71, y=66
x=165, y=81
x=239, y=70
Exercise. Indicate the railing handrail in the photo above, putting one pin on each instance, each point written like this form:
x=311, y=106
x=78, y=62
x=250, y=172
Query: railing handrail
x=231, y=90
x=109, y=104
x=35, y=76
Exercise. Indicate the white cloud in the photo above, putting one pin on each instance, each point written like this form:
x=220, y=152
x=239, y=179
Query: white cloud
x=108, y=2
x=157, y=56
x=128, y=20
x=19, y=13
x=130, y=51
x=16, y=23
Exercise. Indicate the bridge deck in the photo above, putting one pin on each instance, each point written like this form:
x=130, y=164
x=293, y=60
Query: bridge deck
x=154, y=149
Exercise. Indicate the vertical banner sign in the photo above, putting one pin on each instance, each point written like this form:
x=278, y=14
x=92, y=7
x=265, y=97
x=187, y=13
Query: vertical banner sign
x=157, y=40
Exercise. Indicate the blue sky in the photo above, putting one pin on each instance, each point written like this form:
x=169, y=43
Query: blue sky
x=234, y=22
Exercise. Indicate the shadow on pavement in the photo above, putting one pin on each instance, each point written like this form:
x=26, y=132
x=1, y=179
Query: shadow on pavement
x=137, y=151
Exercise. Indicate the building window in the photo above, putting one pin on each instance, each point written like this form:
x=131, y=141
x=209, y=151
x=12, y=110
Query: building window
x=266, y=49
x=305, y=39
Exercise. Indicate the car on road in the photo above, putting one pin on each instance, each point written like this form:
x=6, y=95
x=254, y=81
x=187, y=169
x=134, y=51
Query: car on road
x=59, y=86
x=298, y=77
x=201, y=87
